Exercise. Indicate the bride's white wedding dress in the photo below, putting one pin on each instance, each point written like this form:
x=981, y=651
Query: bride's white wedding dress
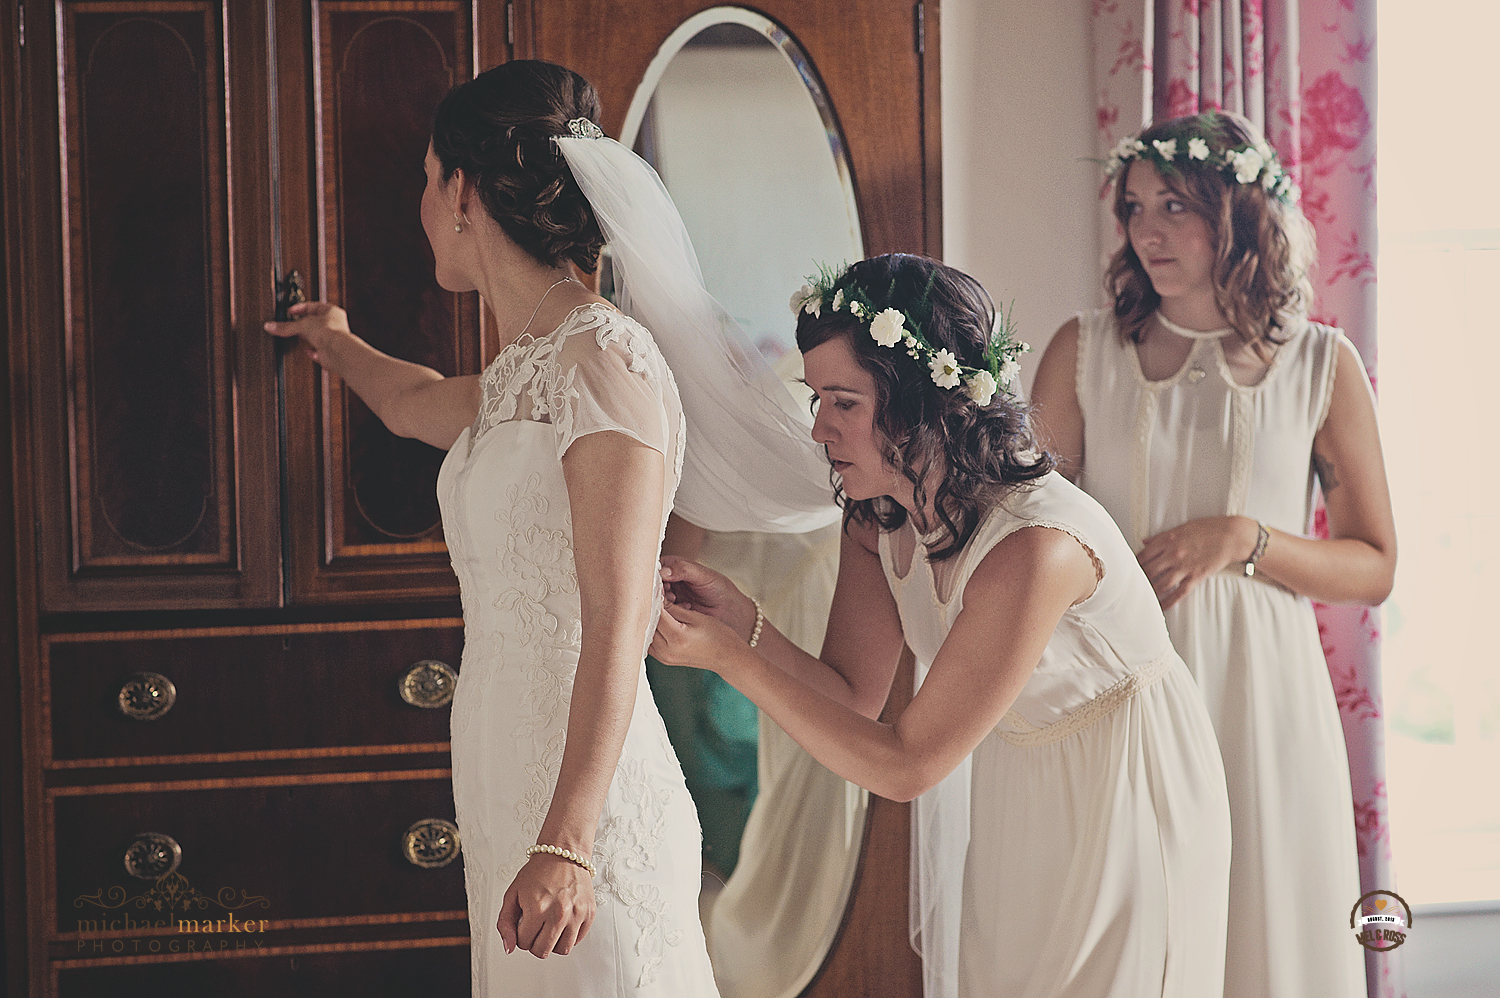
x=507, y=523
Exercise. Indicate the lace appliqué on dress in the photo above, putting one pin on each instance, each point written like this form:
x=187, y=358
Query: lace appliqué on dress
x=539, y=560
x=540, y=563
x=632, y=842
x=510, y=375
x=492, y=641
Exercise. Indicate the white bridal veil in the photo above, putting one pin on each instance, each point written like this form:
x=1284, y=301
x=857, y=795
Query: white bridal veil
x=751, y=463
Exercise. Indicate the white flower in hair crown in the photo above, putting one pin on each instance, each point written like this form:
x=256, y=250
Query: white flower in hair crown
x=892, y=327
x=1247, y=164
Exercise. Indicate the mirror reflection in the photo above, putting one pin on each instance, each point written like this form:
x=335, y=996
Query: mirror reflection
x=733, y=117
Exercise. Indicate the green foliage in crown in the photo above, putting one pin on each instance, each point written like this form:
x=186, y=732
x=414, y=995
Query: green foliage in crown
x=1201, y=140
x=891, y=327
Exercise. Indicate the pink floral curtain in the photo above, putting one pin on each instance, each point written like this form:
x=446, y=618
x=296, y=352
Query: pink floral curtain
x=1305, y=72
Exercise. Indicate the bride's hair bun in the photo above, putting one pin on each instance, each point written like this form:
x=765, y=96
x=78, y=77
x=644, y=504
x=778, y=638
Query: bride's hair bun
x=498, y=128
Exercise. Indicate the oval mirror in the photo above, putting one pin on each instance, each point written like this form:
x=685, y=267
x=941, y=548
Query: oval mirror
x=732, y=115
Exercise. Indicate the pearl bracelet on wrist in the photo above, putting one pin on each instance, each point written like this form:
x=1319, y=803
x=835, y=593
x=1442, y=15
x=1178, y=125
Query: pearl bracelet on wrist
x=567, y=854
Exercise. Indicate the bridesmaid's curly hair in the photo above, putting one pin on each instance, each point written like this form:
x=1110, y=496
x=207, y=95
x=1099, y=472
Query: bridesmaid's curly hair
x=1264, y=247
x=498, y=128
x=980, y=452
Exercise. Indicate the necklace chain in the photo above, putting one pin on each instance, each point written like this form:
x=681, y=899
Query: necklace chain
x=538, y=308
x=1192, y=334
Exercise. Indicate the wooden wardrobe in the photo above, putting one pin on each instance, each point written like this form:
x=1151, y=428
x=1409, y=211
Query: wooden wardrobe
x=223, y=585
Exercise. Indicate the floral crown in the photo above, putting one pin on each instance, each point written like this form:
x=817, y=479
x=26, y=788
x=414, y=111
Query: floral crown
x=1247, y=164
x=891, y=327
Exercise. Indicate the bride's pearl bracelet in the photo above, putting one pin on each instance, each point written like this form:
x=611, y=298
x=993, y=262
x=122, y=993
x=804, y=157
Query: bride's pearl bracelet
x=567, y=854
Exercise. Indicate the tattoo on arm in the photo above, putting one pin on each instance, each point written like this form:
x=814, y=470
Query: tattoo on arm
x=1326, y=476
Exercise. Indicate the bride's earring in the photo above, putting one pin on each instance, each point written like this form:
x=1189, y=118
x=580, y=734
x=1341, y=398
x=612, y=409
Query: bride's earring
x=457, y=225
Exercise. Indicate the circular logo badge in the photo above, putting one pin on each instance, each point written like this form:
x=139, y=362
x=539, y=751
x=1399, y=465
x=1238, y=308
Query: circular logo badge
x=1380, y=920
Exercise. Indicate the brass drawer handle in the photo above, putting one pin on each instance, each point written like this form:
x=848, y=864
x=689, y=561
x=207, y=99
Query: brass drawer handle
x=430, y=843
x=429, y=683
x=146, y=696
x=152, y=855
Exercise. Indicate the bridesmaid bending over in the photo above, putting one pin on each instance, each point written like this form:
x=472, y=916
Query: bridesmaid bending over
x=1085, y=850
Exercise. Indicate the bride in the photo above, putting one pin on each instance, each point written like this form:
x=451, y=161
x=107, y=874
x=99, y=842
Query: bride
x=564, y=458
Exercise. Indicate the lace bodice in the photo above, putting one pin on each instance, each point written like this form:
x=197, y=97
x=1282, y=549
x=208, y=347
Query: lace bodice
x=505, y=502
x=559, y=379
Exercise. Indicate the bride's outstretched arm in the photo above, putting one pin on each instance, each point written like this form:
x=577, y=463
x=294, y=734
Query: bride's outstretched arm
x=862, y=643
x=615, y=496
x=410, y=399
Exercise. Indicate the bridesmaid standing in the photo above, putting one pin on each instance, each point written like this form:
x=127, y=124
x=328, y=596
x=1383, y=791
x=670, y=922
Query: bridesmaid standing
x=1201, y=410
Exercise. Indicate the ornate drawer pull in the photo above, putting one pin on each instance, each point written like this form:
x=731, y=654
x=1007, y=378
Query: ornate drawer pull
x=152, y=855
x=429, y=683
x=430, y=843
x=146, y=696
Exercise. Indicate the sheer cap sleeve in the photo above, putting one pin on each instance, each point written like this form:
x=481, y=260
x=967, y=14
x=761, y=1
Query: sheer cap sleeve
x=610, y=376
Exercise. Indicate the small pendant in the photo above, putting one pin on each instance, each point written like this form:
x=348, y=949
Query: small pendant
x=1196, y=374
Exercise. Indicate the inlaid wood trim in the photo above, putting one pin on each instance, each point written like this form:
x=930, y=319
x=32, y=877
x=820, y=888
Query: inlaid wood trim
x=256, y=630
x=97, y=541
x=239, y=782
x=229, y=954
x=278, y=925
x=266, y=755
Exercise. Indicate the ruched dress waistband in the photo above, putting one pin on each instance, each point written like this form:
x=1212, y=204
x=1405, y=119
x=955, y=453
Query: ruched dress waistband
x=1016, y=730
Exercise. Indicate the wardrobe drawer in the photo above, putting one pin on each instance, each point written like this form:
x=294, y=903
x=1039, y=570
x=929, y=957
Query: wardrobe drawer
x=222, y=694
x=279, y=849
x=441, y=969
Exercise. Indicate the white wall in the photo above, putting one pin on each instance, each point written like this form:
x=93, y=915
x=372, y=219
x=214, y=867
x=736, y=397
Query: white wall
x=1019, y=193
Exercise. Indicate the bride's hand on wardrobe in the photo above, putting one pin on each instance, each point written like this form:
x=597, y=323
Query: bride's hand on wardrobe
x=314, y=322
x=1176, y=560
x=548, y=908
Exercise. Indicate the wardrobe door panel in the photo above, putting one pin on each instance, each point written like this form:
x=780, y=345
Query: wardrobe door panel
x=154, y=491
x=364, y=514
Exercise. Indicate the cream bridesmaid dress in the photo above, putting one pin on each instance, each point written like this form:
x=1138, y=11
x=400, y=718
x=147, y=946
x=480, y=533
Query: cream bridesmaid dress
x=1083, y=852
x=1197, y=444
